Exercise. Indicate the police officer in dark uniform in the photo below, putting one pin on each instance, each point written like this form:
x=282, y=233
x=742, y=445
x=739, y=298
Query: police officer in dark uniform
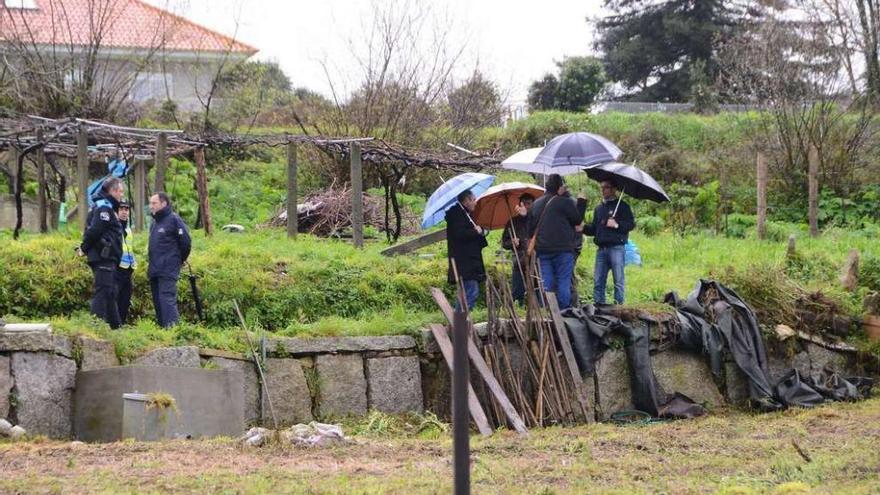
x=169, y=248
x=102, y=244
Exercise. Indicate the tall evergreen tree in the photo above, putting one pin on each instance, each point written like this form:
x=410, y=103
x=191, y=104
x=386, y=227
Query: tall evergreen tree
x=650, y=46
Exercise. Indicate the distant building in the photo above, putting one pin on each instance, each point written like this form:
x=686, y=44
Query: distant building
x=159, y=55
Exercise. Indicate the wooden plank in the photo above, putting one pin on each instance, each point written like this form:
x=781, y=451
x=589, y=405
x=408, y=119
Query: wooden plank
x=417, y=243
x=580, y=388
x=292, y=216
x=357, y=196
x=161, y=162
x=483, y=368
x=441, y=335
x=202, y=186
x=82, y=174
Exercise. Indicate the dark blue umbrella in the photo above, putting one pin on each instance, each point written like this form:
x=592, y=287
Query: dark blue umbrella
x=578, y=148
x=446, y=196
x=628, y=179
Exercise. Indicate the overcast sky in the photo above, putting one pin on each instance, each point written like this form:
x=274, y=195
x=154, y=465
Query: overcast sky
x=513, y=41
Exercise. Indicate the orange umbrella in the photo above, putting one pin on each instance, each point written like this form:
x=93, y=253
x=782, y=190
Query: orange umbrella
x=497, y=205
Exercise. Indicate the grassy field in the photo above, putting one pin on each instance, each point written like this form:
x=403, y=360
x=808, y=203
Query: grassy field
x=734, y=453
x=319, y=287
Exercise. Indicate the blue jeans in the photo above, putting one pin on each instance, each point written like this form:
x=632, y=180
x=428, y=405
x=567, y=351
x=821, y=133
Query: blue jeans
x=471, y=291
x=610, y=258
x=556, y=270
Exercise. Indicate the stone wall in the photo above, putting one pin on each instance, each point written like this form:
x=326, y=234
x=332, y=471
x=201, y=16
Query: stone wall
x=30, y=213
x=329, y=378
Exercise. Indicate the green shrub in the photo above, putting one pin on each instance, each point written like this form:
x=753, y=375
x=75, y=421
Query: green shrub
x=649, y=225
x=738, y=226
x=869, y=272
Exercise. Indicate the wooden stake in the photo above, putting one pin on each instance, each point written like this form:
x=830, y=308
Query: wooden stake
x=357, y=196
x=161, y=162
x=140, y=200
x=762, y=195
x=580, y=388
x=292, y=217
x=202, y=186
x=82, y=174
x=42, y=199
x=813, y=179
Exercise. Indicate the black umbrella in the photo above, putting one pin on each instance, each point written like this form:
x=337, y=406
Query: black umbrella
x=577, y=149
x=630, y=180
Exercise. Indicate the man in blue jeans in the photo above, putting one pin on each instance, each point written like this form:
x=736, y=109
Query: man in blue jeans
x=552, y=221
x=612, y=222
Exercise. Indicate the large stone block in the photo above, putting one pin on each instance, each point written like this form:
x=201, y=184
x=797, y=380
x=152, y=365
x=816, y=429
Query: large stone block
x=5, y=386
x=288, y=391
x=736, y=385
x=342, y=386
x=820, y=358
x=302, y=347
x=43, y=389
x=612, y=381
x=395, y=384
x=35, y=342
x=250, y=385
x=177, y=357
x=96, y=354
x=688, y=373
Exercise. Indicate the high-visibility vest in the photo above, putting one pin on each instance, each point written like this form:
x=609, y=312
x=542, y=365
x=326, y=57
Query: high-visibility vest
x=127, y=260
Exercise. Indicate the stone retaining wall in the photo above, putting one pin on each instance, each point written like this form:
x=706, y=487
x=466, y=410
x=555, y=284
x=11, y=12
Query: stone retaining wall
x=331, y=377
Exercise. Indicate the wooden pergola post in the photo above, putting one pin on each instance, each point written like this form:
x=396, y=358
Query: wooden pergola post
x=813, y=186
x=762, y=195
x=357, y=196
x=82, y=174
x=42, y=200
x=202, y=187
x=140, y=200
x=292, y=217
x=161, y=161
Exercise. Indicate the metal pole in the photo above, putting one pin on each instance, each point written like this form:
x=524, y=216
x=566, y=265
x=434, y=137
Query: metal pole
x=460, y=418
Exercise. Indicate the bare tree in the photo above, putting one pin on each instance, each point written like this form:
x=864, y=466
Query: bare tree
x=789, y=68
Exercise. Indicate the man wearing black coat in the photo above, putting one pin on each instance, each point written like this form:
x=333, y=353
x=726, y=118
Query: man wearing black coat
x=552, y=220
x=169, y=247
x=465, y=241
x=102, y=244
x=610, y=230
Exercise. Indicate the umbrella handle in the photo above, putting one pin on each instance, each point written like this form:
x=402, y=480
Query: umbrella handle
x=618, y=202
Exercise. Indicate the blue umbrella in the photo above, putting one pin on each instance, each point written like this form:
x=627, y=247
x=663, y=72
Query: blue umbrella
x=446, y=195
x=578, y=148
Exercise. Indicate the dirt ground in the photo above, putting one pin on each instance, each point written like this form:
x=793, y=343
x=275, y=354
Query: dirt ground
x=733, y=453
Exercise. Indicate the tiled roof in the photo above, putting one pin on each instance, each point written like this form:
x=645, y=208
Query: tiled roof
x=123, y=23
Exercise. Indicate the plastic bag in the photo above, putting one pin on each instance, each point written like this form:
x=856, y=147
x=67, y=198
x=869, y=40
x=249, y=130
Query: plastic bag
x=631, y=254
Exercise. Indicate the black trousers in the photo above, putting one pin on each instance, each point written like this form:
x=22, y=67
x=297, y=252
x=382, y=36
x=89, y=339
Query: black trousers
x=164, y=291
x=123, y=299
x=104, y=301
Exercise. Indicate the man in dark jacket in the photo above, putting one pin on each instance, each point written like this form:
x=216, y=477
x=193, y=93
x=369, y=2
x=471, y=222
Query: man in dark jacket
x=465, y=241
x=552, y=220
x=169, y=248
x=102, y=244
x=515, y=239
x=610, y=231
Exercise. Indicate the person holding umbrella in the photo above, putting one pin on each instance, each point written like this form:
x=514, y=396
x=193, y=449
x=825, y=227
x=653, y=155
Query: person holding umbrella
x=552, y=224
x=612, y=221
x=516, y=233
x=465, y=241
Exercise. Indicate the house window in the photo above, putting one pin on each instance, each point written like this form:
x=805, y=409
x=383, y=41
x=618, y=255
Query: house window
x=20, y=4
x=151, y=86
